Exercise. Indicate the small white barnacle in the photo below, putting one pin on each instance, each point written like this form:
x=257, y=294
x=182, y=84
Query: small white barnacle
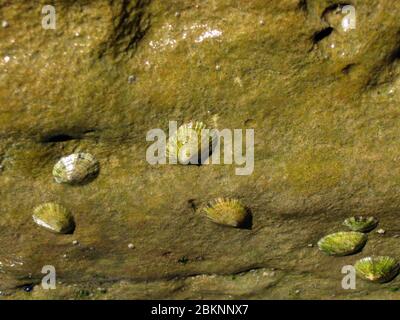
x=77, y=168
x=53, y=217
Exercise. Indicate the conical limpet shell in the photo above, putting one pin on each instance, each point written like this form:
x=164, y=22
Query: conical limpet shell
x=342, y=243
x=190, y=143
x=229, y=212
x=361, y=224
x=77, y=168
x=377, y=269
x=54, y=217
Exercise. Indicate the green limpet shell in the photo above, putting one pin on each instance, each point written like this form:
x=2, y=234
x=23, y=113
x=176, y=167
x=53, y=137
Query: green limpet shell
x=53, y=217
x=229, y=212
x=188, y=145
x=361, y=224
x=342, y=243
x=377, y=269
x=77, y=168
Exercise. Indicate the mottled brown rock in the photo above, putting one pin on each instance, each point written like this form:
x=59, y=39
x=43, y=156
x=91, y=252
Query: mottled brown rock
x=324, y=106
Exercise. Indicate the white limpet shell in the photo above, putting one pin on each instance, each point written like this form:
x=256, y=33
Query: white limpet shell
x=53, y=217
x=192, y=143
x=76, y=168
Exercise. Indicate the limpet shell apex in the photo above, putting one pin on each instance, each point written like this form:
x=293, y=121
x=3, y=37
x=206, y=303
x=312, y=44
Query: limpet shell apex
x=54, y=217
x=229, y=212
x=77, y=168
x=342, y=243
x=377, y=269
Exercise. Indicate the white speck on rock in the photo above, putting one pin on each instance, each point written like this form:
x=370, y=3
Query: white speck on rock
x=6, y=59
x=268, y=274
x=381, y=231
x=209, y=34
x=131, y=79
x=4, y=24
x=131, y=246
x=75, y=242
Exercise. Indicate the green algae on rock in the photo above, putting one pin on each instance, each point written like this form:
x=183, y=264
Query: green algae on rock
x=54, y=217
x=377, y=269
x=77, y=168
x=229, y=212
x=361, y=224
x=342, y=243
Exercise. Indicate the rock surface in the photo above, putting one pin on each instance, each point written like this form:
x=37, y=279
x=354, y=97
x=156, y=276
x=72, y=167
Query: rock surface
x=324, y=104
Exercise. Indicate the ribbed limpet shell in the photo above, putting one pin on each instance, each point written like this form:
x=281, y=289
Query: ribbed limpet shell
x=54, y=217
x=228, y=212
x=377, y=269
x=189, y=145
x=361, y=224
x=342, y=243
x=77, y=168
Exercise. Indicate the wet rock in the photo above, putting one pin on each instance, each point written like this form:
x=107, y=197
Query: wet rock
x=324, y=109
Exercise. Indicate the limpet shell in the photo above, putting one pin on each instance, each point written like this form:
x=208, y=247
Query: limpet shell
x=342, y=243
x=361, y=224
x=77, y=168
x=188, y=145
x=229, y=212
x=377, y=269
x=53, y=217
